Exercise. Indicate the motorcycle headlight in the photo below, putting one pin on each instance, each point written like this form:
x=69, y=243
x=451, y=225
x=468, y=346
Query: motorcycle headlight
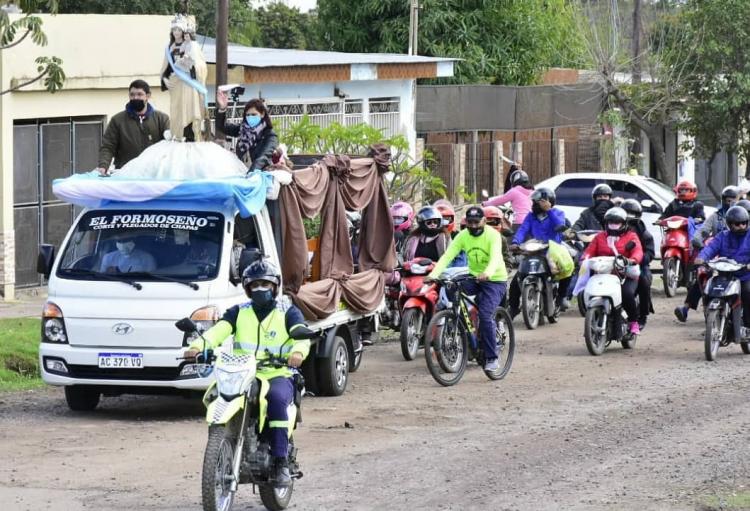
x=230, y=382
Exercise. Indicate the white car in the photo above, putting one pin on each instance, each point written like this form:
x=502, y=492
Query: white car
x=573, y=193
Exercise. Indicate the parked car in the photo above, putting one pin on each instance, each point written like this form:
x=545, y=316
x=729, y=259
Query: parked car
x=574, y=195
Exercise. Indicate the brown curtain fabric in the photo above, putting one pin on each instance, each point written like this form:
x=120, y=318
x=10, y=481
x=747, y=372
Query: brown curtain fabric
x=330, y=187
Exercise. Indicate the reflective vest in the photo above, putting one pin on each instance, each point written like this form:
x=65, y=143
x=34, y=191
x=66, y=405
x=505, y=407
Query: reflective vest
x=257, y=337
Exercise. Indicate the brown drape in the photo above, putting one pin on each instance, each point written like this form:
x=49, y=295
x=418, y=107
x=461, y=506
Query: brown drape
x=330, y=187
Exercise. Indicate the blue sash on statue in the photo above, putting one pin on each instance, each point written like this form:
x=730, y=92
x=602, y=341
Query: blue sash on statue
x=182, y=75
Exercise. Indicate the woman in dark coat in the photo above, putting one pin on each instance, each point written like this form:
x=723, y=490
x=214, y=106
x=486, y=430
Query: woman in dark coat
x=256, y=140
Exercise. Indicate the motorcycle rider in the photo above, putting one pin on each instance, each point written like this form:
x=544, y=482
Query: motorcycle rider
x=494, y=218
x=733, y=243
x=429, y=239
x=402, y=215
x=449, y=216
x=262, y=327
x=685, y=203
x=519, y=197
x=482, y=246
x=545, y=223
x=619, y=239
x=634, y=211
x=715, y=223
x=592, y=218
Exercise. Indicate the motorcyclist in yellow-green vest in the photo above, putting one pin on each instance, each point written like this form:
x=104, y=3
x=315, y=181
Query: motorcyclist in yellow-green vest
x=264, y=327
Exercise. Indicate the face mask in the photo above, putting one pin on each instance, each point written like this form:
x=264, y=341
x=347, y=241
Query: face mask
x=536, y=209
x=614, y=227
x=262, y=296
x=253, y=120
x=137, y=105
x=475, y=231
x=125, y=248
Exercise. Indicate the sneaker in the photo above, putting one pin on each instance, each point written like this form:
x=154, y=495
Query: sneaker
x=281, y=475
x=492, y=365
x=564, y=304
x=635, y=329
x=681, y=313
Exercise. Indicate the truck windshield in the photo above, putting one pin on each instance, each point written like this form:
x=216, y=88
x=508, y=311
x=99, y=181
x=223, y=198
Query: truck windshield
x=153, y=245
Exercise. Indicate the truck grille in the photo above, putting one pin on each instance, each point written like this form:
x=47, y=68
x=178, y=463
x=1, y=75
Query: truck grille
x=147, y=373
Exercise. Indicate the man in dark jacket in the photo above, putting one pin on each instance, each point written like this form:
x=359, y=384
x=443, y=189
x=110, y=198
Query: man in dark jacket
x=131, y=131
x=634, y=210
x=592, y=218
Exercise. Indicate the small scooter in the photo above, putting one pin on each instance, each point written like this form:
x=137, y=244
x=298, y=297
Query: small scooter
x=538, y=289
x=724, y=309
x=676, y=254
x=583, y=240
x=606, y=321
x=417, y=302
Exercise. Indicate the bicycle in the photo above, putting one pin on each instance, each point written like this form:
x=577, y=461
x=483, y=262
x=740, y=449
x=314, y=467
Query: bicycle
x=450, y=340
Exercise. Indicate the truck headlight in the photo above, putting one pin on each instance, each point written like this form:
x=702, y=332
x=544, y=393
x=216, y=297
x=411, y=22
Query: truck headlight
x=53, y=324
x=204, y=318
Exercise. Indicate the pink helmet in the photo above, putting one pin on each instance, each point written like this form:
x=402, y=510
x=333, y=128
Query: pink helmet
x=402, y=215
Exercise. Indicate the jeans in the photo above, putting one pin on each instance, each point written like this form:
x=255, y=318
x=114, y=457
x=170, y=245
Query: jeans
x=488, y=297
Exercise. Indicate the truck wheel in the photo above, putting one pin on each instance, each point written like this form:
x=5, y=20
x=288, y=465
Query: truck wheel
x=81, y=399
x=333, y=372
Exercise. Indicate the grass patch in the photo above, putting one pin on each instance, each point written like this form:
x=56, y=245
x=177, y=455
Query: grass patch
x=734, y=501
x=19, y=353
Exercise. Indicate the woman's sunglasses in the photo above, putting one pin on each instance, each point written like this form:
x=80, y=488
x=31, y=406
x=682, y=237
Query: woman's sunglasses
x=433, y=223
x=494, y=222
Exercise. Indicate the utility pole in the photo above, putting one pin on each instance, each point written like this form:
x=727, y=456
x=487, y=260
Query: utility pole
x=222, y=41
x=413, y=26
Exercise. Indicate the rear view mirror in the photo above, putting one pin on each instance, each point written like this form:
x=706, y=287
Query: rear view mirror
x=650, y=206
x=485, y=194
x=186, y=325
x=45, y=260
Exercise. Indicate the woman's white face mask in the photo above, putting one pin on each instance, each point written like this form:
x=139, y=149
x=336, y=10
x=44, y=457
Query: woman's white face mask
x=614, y=227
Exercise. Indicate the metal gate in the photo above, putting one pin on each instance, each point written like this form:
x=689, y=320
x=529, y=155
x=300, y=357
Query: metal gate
x=42, y=152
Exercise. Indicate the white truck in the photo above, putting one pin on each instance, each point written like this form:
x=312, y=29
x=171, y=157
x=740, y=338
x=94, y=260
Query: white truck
x=109, y=331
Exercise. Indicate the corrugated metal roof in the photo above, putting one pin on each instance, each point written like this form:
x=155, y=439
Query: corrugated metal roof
x=271, y=57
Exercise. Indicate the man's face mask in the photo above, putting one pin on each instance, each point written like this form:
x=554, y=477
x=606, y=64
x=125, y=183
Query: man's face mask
x=137, y=105
x=262, y=295
x=125, y=247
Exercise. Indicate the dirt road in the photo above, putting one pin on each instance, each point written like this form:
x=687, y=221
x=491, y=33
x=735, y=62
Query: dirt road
x=653, y=428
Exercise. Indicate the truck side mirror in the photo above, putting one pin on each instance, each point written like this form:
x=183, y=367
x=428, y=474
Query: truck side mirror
x=45, y=259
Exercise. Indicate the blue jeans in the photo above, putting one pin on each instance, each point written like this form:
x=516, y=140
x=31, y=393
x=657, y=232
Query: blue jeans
x=489, y=295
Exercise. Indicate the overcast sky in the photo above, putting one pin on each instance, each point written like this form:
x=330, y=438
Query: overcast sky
x=303, y=5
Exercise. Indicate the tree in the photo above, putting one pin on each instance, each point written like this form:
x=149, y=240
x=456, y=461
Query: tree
x=717, y=94
x=242, y=26
x=286, y=27
x=501, y=41
x=15, y=32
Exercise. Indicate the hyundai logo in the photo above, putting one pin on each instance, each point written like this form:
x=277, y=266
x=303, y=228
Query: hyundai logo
x=122, y=329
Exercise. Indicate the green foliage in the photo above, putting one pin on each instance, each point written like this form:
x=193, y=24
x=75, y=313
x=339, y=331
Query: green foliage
x=13, y=33
x=502, y=41
x=716, y=96
x=286, y=27
x=312, y=227
x=19, y=347
x=407, y=179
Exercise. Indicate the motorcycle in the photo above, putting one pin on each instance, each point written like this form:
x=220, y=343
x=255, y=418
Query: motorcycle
x=724, y=324
x=238, y=450
x=583, y=240
x=417, y=302
x=538, y=289
x=606, y=320
x=676, y=254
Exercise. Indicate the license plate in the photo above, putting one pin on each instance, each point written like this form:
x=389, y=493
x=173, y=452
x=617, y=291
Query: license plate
x=121, y=360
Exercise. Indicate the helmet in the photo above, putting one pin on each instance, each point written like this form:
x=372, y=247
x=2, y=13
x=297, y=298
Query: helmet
x=430, y=214
x=402, y=215
x=686, y=190
x=262, y=269
x=618, y=216
x=519, y=178
x=494, y=217
x=737, y=215
x=543, y=193
x=730, y=192
x=633, y=209
x=448, y=213
x=744, y=203
x=601, y=189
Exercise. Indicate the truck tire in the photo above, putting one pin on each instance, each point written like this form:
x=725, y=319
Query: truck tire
x=81, y=398
x=333, y=371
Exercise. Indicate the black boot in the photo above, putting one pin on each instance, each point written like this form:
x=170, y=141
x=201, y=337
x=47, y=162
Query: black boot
x=281, y=475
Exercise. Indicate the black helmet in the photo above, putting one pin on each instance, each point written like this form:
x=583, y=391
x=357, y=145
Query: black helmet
x=617, y=215
x=744, y=203
x=730, y=192
x=737, y=215
x=519, y=178
x=426, y=214
x=633, y=209
x=543, y=193
x=261, y=269
x=601, y=189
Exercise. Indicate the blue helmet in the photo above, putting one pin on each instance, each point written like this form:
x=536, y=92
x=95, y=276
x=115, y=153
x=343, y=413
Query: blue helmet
x=261, y=269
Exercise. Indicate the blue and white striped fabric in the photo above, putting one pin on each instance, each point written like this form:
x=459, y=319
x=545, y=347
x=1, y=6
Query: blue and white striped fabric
x=92, y=190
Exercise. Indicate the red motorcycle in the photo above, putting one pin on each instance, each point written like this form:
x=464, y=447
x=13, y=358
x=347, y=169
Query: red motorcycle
x=676, y=254
x=417, y=302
